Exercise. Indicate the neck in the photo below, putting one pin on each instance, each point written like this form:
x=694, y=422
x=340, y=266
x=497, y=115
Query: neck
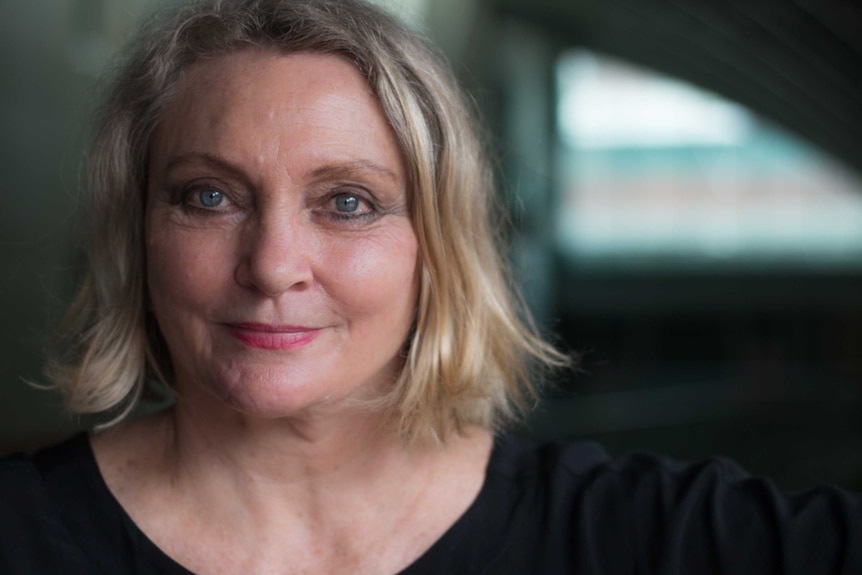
x=345, y=484
x=286, y=449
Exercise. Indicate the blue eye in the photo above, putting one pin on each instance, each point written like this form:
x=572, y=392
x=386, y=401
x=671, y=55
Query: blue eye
x=346, y=203
x=210, y=198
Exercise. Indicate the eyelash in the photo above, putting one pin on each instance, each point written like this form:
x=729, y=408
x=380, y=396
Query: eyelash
x=367, y=209
x=187, y=195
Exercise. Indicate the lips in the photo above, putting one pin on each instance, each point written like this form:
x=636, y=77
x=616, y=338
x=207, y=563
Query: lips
x=271, y=336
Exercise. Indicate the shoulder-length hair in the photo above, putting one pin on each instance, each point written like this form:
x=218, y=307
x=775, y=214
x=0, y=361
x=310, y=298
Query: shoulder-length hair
x=473, y=350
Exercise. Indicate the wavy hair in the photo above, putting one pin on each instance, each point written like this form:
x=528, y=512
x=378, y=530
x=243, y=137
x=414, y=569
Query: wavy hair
x=473, y=355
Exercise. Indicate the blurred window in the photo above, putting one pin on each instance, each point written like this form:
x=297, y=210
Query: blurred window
x=658, y=173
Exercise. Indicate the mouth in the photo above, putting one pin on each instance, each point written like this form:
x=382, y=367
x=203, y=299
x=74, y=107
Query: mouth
x=272, y=336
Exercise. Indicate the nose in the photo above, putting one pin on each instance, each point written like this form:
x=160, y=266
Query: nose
x=277, y=254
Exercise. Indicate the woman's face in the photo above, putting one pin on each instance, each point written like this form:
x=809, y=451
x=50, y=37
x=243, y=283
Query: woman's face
x=281, y=259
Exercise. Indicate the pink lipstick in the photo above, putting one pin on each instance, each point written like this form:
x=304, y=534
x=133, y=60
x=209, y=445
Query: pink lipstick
x=269, y=336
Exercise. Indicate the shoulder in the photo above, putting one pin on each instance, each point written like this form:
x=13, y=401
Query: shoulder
x=587, y=466
x=598, y=513
x=20, y=489
x=638, y=483
x=15, y=471
x=33, y=537
x=545, y=470
x=23, y=480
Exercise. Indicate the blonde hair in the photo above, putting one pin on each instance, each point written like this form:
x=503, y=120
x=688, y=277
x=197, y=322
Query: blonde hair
x=473, y=351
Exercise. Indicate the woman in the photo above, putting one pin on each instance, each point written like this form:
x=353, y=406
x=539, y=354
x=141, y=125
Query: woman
x=291, y=231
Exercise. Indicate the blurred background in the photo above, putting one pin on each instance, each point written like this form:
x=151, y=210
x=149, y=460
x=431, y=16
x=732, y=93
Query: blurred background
x=684, y=183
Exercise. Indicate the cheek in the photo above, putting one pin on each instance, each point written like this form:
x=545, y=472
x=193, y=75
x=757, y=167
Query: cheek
x=377, y=273
x=182, y=269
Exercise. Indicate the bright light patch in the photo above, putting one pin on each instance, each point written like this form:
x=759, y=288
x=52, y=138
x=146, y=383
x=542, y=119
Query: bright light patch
x=608, y=104
x=413, y=12
x=657, y=173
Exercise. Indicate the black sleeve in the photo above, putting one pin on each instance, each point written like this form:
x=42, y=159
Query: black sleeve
x=647, y=514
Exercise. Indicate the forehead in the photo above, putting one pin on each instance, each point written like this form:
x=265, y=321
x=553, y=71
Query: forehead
x=265, y=104
x=254, y=66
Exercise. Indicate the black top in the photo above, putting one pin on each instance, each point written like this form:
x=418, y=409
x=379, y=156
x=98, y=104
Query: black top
x=551, y=509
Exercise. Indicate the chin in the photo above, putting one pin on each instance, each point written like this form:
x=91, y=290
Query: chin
x=272, y=393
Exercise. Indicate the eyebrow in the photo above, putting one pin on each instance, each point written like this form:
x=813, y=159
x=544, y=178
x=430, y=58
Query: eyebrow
x=348, y=169
x=211, y=160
